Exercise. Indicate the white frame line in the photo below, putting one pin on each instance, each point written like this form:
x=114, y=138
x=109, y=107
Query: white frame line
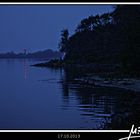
x=67, y=3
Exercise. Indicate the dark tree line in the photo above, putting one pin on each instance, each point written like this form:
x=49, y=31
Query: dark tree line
x=110, y=38
x=46, y=54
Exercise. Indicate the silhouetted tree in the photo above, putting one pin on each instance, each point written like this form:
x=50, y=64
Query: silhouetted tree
x=64, y=40
x=127, y=20
x=108, y=38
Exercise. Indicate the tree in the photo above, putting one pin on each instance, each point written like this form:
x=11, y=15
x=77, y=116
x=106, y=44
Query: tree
x=88, y=24
x=105, y=19
x=108, y=38
x=64, y=40
x=127, y=21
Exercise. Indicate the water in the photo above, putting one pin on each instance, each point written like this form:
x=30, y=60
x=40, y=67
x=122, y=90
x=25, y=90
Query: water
x=43, y=98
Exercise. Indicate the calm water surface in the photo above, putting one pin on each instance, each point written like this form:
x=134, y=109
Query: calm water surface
x=43, y=98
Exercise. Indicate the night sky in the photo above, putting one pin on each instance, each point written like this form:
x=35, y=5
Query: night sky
x=38, y=27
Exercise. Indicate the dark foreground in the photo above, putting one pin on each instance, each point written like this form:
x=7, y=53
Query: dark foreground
x=120, y=93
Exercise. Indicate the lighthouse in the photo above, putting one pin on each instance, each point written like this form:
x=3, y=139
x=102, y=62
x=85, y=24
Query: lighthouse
x=24, y=51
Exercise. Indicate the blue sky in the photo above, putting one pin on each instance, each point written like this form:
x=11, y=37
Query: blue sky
x=38, y=27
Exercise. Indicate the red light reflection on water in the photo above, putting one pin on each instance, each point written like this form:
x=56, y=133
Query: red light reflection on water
x=25, y=69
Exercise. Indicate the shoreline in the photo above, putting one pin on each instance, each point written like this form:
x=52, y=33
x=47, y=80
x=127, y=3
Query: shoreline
x=103, y=75
x=125, y=83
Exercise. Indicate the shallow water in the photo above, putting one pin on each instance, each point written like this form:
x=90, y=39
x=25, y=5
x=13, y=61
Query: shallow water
x=43, y=98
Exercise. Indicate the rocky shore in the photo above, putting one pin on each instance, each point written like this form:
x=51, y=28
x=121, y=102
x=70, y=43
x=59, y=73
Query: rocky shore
x=110, y=77
x=123, y=83
x=54, y=63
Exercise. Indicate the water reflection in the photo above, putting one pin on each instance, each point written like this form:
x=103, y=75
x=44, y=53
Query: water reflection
x=37, y=99
x=99, y=104
x=25, y=68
